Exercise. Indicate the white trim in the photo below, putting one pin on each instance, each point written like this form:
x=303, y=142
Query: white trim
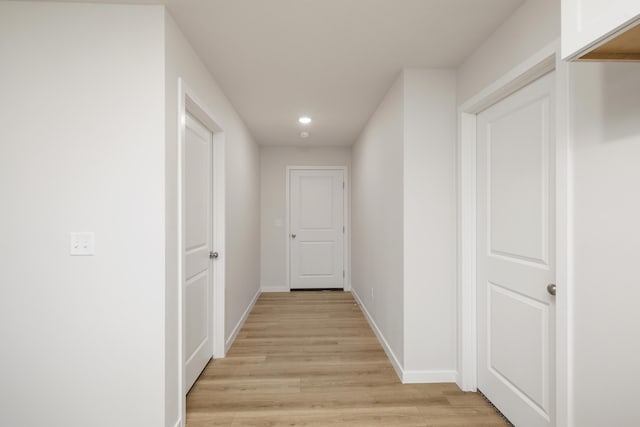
x=426, y=377
x=243, y=318
x=535, y=66
x=547, y=59
x=274, y=289
x=182, y=395
x=219, y=243
x=564, y=249
x=287, y=260
x=406, y=377
x=387, y=349
x=346, y=217
x=189, y=102
x=467, y=354
x=179, y=423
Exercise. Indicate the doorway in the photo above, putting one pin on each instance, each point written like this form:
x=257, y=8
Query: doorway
x=201, y=239
x=199, y=252
x=537, y=65
x=316, y=228
x=516, y=253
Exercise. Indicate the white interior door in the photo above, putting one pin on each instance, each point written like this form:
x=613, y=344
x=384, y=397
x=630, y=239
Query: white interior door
x=516, y=254
x=316, y=229
x=198, y=286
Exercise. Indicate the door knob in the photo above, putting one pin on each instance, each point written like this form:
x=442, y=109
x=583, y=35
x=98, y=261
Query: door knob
x=213, y=254
x=551, y=288
x=293, y=235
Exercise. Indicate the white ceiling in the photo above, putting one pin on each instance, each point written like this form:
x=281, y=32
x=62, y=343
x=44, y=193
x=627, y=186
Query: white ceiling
x=330, y=59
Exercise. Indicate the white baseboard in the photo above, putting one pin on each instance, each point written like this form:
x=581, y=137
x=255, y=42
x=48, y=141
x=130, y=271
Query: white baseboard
x=406, y=376
x=178, y=423
x=275, y=289
x=461, y=384
x=387, y=349
x=424, y=377
x=243, y=318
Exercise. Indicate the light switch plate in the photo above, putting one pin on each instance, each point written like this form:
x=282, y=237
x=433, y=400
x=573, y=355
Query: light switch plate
x=82, y=243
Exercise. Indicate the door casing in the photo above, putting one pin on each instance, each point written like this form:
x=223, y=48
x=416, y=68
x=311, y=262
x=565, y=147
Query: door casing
x=188, y=102
x=347, y=221
x=537, y=65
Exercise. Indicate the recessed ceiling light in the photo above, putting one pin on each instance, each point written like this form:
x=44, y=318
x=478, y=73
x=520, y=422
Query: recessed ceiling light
x=304, y=120
x=304, y=134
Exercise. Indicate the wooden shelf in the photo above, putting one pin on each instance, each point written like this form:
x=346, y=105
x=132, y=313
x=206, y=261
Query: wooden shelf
x=623, y=47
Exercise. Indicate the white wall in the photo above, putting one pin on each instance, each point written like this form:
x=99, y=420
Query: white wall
x=430, y=224
x=531, y=27
x=81, y=149
x=606, y=203
x=404, y=223
x=273, y=163
x=377, y=218
x=93, y=340
x=242, y=258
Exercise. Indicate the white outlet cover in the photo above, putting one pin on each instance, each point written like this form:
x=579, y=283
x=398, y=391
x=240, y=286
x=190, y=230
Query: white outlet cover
x=82, y=243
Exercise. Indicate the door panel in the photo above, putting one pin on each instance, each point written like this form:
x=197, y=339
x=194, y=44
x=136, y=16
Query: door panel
x=316, y=258
x=315, y=202
x=508, y=311
x=516, y=147
x=316, y=229
x=196, y=300
x=198, y=292
x=516, y=252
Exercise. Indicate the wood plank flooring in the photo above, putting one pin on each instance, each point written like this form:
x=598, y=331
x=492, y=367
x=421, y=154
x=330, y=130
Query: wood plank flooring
x=311, y=359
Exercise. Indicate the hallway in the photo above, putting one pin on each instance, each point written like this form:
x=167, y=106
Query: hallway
x=311, y=358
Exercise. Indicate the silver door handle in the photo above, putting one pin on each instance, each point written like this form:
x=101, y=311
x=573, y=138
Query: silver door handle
x=213, y=254
x=293, y=235
x=551, y=288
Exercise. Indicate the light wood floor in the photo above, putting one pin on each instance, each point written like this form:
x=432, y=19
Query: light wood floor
x=311, y=359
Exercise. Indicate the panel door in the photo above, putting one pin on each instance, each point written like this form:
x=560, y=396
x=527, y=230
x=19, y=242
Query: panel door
x=316, y=229
x=198, y=287
x=516, y=254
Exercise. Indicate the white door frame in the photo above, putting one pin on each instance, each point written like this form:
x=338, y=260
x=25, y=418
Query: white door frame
x=542, y=62
x=188, y=103
x=347, y=222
